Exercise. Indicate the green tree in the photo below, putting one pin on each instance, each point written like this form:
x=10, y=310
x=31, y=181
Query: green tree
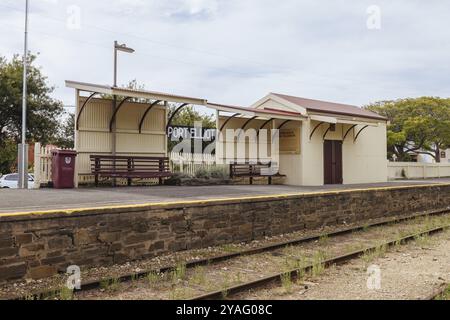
x=8, y=156
x=416, y=126
x=43, y=111
x=188, y=116
x=66, y=134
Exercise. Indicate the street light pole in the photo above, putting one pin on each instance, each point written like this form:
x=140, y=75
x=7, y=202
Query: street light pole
x=114, y=138
x=124, y=48
x=23, y=150
x=115, y=64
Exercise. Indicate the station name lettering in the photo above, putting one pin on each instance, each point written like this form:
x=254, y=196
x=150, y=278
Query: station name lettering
x=180, y=132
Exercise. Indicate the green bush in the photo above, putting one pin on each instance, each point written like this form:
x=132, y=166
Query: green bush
x=219, y=173
x=177, y=179
x=203, y=173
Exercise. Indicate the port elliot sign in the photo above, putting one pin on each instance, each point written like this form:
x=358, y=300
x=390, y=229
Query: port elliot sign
x=176, y=133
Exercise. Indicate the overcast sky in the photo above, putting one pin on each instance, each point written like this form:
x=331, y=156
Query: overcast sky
x=236, y=51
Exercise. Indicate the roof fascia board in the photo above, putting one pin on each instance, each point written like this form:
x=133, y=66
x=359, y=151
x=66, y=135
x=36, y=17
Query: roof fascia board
x=231, y=110
x=130, y=93
x=351, y=120
x=88, y=87
x=254, y=113
x=324, y=119
x=158, y=96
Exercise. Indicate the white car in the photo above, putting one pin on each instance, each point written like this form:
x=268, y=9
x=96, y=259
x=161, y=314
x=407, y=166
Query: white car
x=11, y=181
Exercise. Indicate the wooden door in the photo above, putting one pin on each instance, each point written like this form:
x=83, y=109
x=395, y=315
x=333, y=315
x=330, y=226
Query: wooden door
x=333, y=162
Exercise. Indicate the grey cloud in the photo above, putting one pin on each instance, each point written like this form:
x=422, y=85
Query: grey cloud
x=234, y=51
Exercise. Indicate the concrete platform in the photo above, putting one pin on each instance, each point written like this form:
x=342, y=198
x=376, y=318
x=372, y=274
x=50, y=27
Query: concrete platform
x=23, y=201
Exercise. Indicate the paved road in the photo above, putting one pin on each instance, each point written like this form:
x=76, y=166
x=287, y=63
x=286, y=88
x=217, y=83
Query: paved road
x=50, y=199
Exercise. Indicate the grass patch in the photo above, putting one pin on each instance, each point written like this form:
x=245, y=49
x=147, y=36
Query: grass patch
x=324, y=240
x=229, y=248
x=286, y=282
x=153, y=277
x=66, y=293
x=178, y=293
x=110, y=284
x=179, y=273
x=373, y=254
x=445, y=295
x=198, y=277
x=422, y=240
x=318, y=266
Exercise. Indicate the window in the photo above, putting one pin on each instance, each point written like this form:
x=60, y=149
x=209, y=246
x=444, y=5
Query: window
x=12, y=177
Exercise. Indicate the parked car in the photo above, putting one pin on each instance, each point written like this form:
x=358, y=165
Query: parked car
x=11, y=181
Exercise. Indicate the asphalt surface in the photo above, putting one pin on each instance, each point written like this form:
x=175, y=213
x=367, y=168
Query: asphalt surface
x=12, y=201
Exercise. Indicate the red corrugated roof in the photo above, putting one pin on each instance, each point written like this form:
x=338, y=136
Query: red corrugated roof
x=330, y=107
x=262, y=111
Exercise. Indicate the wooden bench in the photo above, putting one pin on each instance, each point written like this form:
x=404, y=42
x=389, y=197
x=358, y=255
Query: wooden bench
x=253, y=170
x=130, y=167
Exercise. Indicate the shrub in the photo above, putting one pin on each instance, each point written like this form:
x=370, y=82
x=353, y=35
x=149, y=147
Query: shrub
x=219, y=173
x=203, y=173
x=177, y=179
x=212, y=173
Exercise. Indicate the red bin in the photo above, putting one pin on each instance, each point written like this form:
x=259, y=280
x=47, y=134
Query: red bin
x=63, y=169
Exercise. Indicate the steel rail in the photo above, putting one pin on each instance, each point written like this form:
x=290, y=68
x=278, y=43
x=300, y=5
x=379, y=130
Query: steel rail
x=438, y=292
x=339, y=260
x=95, y=284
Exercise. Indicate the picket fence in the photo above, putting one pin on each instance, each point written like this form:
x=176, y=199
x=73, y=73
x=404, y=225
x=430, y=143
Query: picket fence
x=186, y=163
x=190, y=164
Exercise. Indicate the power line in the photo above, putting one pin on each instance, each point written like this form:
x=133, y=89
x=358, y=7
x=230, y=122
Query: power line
x=226, y=70
x=276, y=69
x=290, y=77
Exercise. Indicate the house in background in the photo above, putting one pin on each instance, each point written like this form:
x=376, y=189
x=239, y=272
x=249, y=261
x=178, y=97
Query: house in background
x=320, y=142
x=425, y=158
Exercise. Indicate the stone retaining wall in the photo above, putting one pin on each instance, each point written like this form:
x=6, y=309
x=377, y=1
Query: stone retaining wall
x=36, y=246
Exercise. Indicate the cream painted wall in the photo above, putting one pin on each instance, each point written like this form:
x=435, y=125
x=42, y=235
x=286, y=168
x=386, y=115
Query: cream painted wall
x=93, y=136
x=290, y=164
x=312, y=155
x=365, y=161
x=228, y=149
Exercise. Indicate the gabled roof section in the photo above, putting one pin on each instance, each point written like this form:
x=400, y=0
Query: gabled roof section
x=330, y=107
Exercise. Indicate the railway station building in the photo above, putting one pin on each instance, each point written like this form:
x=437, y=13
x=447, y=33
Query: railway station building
x=319, y=142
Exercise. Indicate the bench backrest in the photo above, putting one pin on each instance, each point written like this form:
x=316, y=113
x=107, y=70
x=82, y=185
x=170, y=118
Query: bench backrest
x=249, y=169
x=129, y=164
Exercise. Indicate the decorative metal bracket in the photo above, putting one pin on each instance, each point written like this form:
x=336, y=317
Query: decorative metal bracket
x=360, y=131
x=228, y=120
x=113, y=119
x=83, y=106
x=348, y=132
x=315, y=129
x=169, y=123
x=265, y=124
x=141, y=123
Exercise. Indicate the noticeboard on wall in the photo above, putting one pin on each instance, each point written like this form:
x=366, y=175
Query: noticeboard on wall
x=290, y=141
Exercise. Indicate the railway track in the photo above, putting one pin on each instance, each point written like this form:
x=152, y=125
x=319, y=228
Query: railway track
x=438, y=293
x=96, y=284
x=339, y=260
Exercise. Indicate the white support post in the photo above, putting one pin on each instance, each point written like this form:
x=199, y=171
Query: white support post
x=75, y=142
x=37, y=165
